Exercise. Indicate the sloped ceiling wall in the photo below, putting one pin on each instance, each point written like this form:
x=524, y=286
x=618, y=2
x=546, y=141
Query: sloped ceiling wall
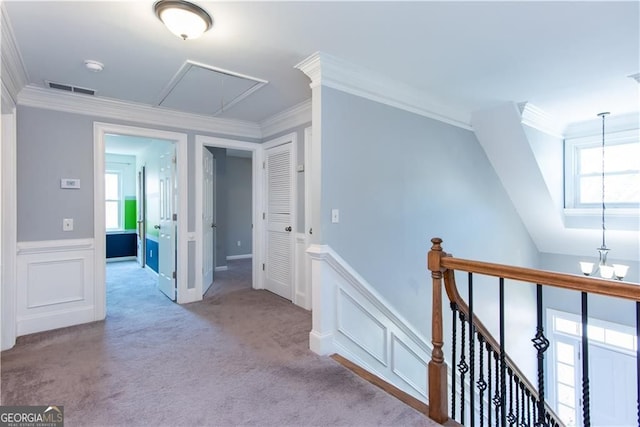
x=504, y=139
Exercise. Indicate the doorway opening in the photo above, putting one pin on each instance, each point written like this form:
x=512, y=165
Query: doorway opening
x=172, y=204
x=228, y=226
x=140, y=204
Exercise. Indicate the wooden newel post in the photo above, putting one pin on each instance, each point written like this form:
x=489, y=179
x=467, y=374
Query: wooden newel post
x=437, y=368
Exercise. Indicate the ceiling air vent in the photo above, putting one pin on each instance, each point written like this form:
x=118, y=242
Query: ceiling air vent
x=70, y=88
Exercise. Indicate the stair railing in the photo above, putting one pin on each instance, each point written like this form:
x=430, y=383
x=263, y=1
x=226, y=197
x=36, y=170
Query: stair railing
x=511, y=399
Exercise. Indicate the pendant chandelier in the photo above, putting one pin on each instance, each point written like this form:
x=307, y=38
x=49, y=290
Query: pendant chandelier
x=605, y=270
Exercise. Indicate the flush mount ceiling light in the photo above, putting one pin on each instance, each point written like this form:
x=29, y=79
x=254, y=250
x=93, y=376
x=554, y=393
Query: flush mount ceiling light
x=184, y=19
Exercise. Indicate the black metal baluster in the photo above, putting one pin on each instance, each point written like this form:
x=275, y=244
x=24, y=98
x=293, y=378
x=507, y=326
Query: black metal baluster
x=463, y=368
x=482, y=384
x=497, y=400
x=528, y=408
x=503, y=366
x=638, y=357
x=541, y=344
x=510, y=418
x=472, y=355
x=489, y=383
x=523, y=416
x=586, y=417
x=454, y=310
x=517, y=412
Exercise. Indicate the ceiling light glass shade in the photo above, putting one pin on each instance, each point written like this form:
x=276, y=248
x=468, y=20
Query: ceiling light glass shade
x=620, y=271
x=586, y=267
x=606, y=271
x=184, y=19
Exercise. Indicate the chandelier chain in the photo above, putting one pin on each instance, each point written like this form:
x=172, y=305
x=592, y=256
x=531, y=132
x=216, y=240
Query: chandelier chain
x=603, y=115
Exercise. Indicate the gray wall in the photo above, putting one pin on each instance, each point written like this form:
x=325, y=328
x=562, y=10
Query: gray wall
x=53, y=145
x=400, y=179
x=239, y=206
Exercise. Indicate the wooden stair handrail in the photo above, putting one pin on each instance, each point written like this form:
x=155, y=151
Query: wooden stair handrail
x=442, y=267
x=574, y=282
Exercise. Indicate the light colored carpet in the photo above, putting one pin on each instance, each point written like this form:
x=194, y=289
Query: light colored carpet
x=239, y=357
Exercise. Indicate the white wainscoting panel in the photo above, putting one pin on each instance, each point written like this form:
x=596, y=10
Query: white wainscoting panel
x=55, y=284
x=302, y=287
x=350, y=318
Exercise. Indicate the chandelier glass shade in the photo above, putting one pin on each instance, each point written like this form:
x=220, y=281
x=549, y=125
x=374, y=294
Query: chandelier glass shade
x=606, y=271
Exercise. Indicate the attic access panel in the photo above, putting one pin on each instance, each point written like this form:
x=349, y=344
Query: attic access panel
x=207, y=90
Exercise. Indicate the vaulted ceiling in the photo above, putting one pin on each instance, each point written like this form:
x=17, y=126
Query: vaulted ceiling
x=570, y=59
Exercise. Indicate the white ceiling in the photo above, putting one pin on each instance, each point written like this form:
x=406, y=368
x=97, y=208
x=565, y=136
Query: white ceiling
x=570, y=59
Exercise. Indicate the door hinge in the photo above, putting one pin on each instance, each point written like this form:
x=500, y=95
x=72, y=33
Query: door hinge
x=264, y=215
x=174, y=160
x=175, y=217
x=262, y=267
x=173, y=275
x=264, y=165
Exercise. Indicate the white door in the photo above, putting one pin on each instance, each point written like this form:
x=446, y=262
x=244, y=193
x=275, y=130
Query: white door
x=167, y=231
x=612, y=386
x=208, y=219
x=142, y=227
x=279, y=169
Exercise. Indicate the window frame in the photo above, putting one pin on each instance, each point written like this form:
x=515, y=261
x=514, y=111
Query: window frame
x=119, y=200
x=572, y=146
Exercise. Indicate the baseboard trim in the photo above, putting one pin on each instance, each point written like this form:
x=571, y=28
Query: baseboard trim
x=31, y=324
x=121, y=258
x=321, y=344
x=245, y=256
x=384, y=385
x=222, y=268
x=151, y=270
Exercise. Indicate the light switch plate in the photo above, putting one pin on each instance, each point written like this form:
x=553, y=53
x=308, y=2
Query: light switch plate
x=335, y=216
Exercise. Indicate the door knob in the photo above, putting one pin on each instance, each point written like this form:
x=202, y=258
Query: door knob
x=157, y=227
x=213, y=225
x=288, y=228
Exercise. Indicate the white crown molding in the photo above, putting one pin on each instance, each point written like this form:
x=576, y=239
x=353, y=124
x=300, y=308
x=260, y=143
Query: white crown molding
x=615, y=123
x=32, y=96
x=297, y=115
x=338, y=74
x=311, y=67
x=14, y=73
x=538, y=119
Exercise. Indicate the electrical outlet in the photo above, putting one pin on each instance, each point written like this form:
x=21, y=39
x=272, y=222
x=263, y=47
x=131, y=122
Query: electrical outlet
x=239, y=244
x=67, y=224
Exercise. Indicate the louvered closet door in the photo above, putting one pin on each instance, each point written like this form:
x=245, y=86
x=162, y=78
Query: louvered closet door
x=279, y=214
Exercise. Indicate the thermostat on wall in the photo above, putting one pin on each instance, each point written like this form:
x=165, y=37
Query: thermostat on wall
x=70, y=183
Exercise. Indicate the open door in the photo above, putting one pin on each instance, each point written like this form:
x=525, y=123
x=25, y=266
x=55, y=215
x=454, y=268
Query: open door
x=279, y=168
x=208, y=219
x=141, y=232
x=167, y=226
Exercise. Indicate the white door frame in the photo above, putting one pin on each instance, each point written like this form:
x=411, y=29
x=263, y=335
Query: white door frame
x=257, y=201
x=8, y=224
x=99, y=131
